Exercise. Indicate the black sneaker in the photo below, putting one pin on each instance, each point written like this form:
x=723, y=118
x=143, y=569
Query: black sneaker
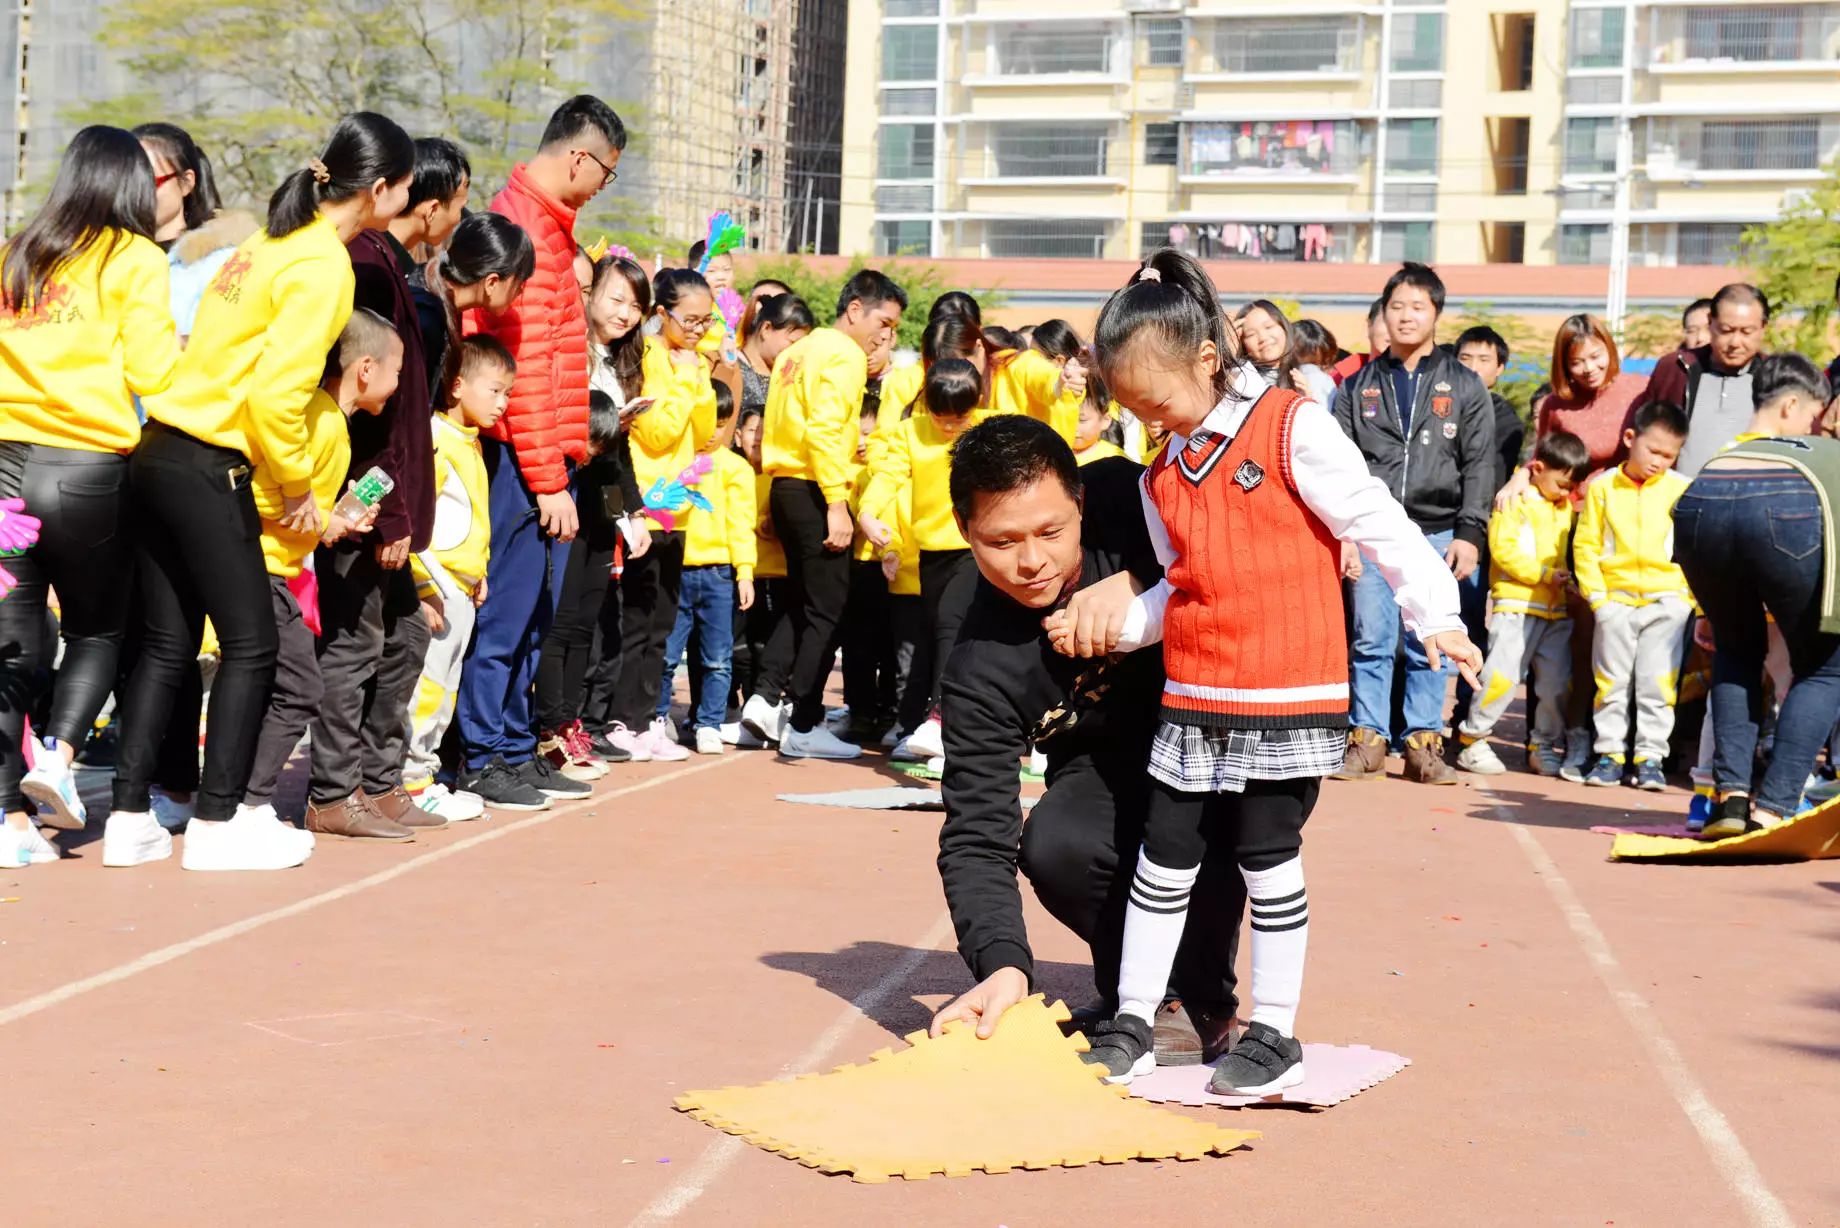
x=502, y=788
x=1124, y=1046
x=606, y=751
x=1733, y=816
x=1265, y=1061
x=542, y=776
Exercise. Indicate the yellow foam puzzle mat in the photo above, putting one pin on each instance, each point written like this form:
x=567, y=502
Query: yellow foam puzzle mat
x=1810, y=836
x=1020, y=1099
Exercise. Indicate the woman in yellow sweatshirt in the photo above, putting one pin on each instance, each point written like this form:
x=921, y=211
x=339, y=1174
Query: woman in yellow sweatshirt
x=257, y=351
x=83, y=329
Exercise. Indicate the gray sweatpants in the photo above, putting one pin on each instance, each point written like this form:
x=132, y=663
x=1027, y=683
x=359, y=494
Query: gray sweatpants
x=1639, y=645
x=1519, y=642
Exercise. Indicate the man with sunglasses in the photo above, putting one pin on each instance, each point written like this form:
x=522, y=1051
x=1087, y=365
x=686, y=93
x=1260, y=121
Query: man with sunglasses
x=531, y=457
x=1040, y=528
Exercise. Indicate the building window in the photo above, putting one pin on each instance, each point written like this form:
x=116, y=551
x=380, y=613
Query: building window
x=1275, y=147
x=1412, y=146
x=1269, y=242
x=1051, y=151
x=911, y=8
x=1425, y=95
x=1584, y=244
x=1069, y=238
x=1402, y=241
x=1514, y=51
x=1163, y=41
x=1748, y=34
x=1292, y=45
x=1505, y=242
x=1709, y=242
x=1510, y=138
x=903, y=197
x=1025, y=49
x=1590, y=146
x=908, y=238
x=1597, y=38
x=1593, y=91
x=1418, y=42
x=910, y=102
x=910, y=53
x=1162, y=145
x=1758, y=145
x=907, y=152
x=1411, y=197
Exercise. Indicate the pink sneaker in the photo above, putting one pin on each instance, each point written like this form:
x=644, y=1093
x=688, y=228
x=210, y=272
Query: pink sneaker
x=638, y=745
x=661, y=741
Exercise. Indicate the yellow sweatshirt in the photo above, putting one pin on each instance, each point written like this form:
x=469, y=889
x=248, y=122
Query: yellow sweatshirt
x=1623, y=547
x=769, y=555
x=258, y=349
x=102, y=333
x=812, y=411
x=900, y=388
x=328, y=451
x=1101, y=449
x=906, y=581
x=666, y=438
x=1024, y=382
x=918, y=457
x=461, y=542
x=1527, y=542
x=726, y=533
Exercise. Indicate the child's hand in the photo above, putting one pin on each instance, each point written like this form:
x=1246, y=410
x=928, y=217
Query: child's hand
x=300, y=513
x=434, y=612
x=1073, y=378
x=891, y=566
x=744, y=592
x=1351, y=561
x=1093, y=619
x=1561, y=576
x=875, y=530
x=1456, y=646
x=1702, y=635
x=479, y=594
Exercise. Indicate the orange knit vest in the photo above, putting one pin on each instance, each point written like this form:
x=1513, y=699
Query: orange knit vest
x=1253, y=635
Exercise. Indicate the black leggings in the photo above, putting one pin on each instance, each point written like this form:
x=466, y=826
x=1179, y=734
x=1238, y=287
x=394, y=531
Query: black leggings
x=648, y=609
x=1261, y=828
x=200, y=555
x=871, y=686
x=948, y=581
x=817, y=588
x=769, y=640
x=562, y=664
x=84, y=553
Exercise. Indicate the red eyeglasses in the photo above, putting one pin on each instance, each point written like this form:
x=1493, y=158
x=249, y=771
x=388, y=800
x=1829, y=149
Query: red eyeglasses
x=161, y=180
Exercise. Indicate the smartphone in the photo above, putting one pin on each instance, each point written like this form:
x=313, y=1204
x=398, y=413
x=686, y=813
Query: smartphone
x=636, y=406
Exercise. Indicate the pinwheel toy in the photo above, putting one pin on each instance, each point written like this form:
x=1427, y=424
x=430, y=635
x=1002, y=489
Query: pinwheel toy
x=667, y=498
x=725, y=235
x=18, y=531
x=732, y=306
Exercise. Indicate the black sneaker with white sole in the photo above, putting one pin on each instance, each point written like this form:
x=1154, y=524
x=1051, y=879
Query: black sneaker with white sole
x=540, y=774
x=502, y=788
x=1124, y=1045
x=1264, y=1062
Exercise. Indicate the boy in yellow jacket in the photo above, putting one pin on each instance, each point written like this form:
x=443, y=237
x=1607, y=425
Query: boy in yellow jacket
x=369, y=355
x=719, y=555
x=1623, y=551
x=450, y=576
x=1528, y=627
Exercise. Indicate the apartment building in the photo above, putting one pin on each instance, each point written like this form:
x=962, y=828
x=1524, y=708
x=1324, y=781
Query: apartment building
x=1467, y=131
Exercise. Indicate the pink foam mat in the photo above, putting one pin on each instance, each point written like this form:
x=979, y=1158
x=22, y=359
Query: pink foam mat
x=1332, y=1074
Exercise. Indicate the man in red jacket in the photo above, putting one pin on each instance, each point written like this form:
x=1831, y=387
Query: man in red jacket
x=531, y=456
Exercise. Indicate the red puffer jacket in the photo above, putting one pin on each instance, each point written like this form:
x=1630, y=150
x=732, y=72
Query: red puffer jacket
x=546, y=331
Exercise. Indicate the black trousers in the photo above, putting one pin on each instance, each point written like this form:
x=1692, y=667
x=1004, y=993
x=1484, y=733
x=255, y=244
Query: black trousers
x=373, y=640
x=871, y=683
x=769, y=641
x=1261, y=828
x=1079, y=851
x=293, y=701
x=83, y=551
x=562, y=663
x=912, y=652
x=817, y=588
x=648, y=599
x=948, y=581
x=199, y=554
x=601, y=683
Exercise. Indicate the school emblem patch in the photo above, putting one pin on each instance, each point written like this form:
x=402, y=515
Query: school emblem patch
x=1440, y=406
x=1248, y=475
x=1450, y=430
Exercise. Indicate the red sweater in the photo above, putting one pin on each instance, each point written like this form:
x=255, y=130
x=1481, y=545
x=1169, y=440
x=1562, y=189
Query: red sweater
x=546, y=331
x=1598, y=421
x=1252, y=636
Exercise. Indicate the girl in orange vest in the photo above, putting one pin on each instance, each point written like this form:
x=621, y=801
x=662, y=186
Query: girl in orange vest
x=1245, y=507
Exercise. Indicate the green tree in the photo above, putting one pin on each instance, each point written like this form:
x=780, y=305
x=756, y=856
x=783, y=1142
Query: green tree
x=1796, y=258
x=1649, y=334
x=923, y=283
x=1528, y=351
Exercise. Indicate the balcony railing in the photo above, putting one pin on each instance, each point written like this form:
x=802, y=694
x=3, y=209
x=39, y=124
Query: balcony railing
x=1260, y=241
x=1745, y=34
x=1294, y=45
x=1274, y=149
x=1040, y=151
x=1028, y=50
x=1046, y=238
x=1688, y=147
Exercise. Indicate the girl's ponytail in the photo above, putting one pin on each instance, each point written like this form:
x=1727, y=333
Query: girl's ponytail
x=1172, y=299
x=953, y=388
x=363, y=148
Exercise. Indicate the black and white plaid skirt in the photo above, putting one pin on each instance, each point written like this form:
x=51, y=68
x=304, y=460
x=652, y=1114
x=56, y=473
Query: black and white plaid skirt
x=1192, y=759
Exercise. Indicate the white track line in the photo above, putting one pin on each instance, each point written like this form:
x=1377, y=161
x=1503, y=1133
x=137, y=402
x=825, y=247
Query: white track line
x=1729, y=1157
x=715, y=1160
x=223, y=933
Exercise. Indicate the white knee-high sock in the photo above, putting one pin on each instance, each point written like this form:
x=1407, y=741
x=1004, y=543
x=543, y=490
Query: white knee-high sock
x=1280, y=937
x=1153, y=923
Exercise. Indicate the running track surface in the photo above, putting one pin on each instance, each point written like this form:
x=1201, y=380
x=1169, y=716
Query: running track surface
x=488, y=1026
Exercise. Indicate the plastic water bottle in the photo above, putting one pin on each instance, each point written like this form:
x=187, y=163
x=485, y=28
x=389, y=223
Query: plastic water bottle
x=365, y=494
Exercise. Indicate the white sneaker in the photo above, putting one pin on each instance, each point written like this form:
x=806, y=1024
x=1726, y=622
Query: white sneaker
x=172, y=814
x=937, y=765
x=1480, y=758
x=731, y=733
x=709, y=742
x=24, y=847
x=820, y=743
x=747, y=739
x=134, y=838
x=255, y=839
x=768, y=721
x=461, y=807
x=266, y=813
x=926, y=742
x=661, y=740
x=1038, y=763
x=53, y=786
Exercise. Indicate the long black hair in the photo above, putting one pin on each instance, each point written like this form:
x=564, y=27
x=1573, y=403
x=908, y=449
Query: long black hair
x=364, y=148
x=104, y=183
x=1056, y=339
x=481, y=245
x=626, y=355
x=1177, y=306
x=948, y=337
x=671, y=285
x=953, y=388
x=778, y=312
x=175, y=147
x=955, y=303
x=1284, y=371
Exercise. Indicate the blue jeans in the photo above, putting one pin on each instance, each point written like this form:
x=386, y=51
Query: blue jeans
x=1751, y=541
x=706, y=603
x=1376, y=641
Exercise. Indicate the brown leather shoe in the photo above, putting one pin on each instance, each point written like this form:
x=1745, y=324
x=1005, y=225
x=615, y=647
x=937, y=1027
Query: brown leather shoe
x=1189, y=1034
x=1366, y=757
x=356, y=818
x=398, y=807
x=1425, y=760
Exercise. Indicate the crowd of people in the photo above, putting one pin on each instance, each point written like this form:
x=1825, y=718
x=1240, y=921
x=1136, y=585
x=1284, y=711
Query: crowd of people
x=454, y=499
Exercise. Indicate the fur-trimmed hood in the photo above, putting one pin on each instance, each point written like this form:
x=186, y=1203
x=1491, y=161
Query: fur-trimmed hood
x=227, y=229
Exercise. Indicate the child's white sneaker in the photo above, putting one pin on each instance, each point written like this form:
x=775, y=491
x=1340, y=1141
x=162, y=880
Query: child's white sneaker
x=254, y=839
x=53, y=786
x=766, y=720
x=924, y=743
x=25, y=846
x=1480, y=758
x=134, y=838
x=709, y=742
x=461, y=807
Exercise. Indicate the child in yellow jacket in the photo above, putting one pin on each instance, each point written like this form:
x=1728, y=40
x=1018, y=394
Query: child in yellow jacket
x=719, y=556
x=450, y=575
x=1623, y=552
x=1528, y=626
x=369, y=357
